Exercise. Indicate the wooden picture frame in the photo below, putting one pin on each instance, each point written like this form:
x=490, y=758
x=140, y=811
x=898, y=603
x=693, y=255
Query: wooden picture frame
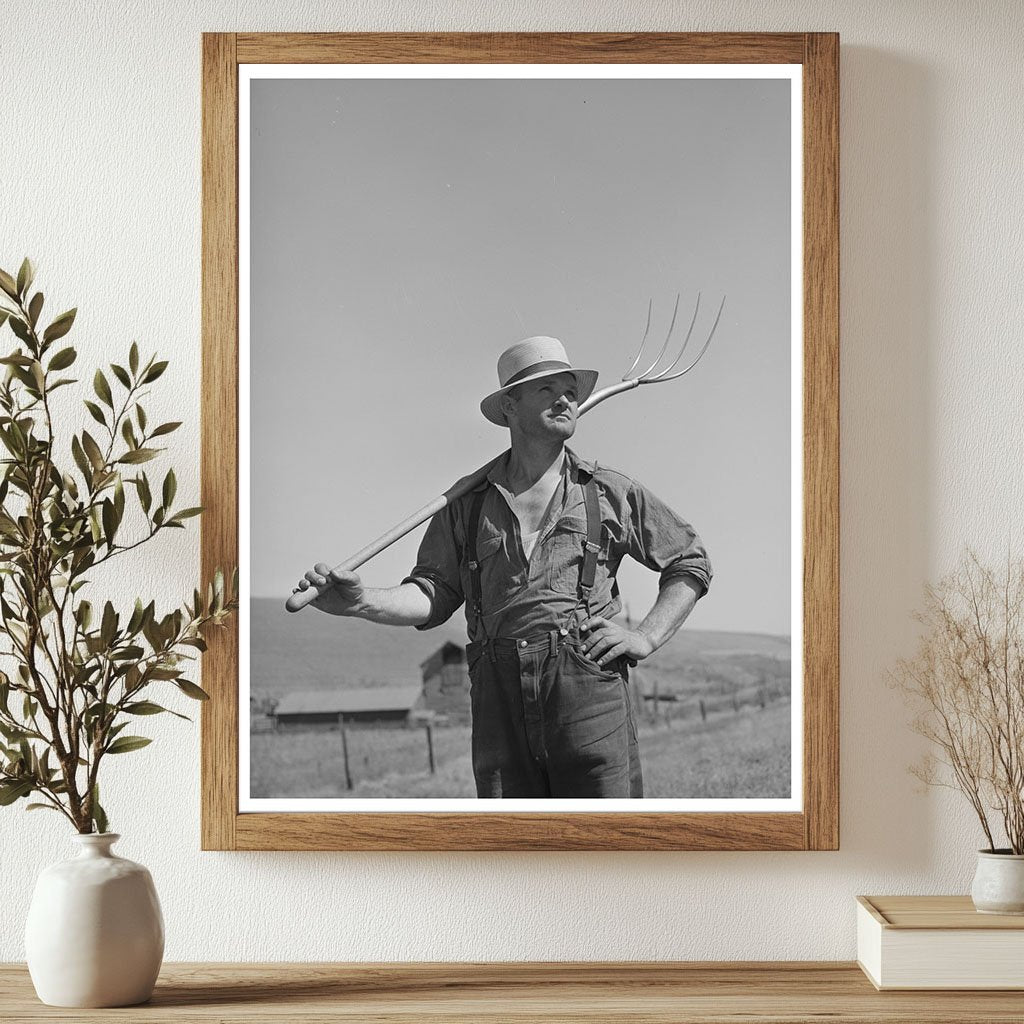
x=816, y=826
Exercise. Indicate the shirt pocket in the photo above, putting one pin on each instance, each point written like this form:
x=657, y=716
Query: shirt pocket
x=565, y=554
x=500, y=579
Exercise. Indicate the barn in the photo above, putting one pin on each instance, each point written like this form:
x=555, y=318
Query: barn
x=446, y=684
x=371, y=705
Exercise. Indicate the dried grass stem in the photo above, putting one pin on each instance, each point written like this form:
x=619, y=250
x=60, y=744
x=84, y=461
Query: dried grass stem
x=967, y=682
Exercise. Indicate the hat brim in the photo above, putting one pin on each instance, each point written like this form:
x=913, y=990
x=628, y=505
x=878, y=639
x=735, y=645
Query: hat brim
x=586, y=381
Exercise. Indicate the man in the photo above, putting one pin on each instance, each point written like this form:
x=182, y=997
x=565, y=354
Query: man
x=533, y=553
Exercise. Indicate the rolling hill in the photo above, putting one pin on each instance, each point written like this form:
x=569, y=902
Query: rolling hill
x=311, y=651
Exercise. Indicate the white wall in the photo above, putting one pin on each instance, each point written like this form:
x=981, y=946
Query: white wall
x=100, y=183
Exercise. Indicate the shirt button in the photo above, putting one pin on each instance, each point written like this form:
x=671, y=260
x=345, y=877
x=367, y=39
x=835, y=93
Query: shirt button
x=522, y=643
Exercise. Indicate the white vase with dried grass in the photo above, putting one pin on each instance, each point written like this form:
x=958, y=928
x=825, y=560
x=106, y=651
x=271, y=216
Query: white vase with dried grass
x=966, y=682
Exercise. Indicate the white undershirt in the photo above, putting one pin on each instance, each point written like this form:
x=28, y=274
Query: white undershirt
x=529, y=539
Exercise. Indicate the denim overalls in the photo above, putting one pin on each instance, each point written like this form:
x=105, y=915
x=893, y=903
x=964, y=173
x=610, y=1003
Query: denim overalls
x=547, y=720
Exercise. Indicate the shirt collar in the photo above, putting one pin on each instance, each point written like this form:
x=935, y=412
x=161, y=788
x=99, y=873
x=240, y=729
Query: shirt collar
x=573, y=463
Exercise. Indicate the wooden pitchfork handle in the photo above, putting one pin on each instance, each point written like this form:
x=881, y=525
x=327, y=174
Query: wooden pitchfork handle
x=301, y=598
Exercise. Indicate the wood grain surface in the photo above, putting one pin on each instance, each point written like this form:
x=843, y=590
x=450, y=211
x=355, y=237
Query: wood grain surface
x=520, y=831
x=521, y=48
x=615, y=993
x=817, y=826
x=821, y=441
x=936, y=912
x=219, y=440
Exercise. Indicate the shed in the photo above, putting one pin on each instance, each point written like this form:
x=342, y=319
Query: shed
x=446, y=683
x=370, y=705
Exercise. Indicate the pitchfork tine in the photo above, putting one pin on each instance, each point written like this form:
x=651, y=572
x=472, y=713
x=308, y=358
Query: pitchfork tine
x=686, y=341
x=700, y=353
x=643, y=341
x=664, y=348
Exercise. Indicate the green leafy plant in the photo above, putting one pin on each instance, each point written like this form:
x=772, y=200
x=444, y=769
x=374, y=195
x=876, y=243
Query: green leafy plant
x=81, y=673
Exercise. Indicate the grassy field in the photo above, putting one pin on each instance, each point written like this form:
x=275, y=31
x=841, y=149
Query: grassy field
x=731, y=755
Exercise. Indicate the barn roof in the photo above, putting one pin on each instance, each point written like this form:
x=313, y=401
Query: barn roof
x=367, y=698
x=447, y=653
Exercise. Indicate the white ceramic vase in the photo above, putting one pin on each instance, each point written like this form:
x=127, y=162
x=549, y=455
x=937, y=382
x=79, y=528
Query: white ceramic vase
x=999, y=883
x=95, y=934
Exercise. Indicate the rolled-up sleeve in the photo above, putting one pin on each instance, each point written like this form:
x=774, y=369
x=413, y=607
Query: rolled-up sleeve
x=436, y=572
x=663, y=541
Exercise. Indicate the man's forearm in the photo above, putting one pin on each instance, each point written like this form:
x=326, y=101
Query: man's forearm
x=404, y=605
x=676, y=600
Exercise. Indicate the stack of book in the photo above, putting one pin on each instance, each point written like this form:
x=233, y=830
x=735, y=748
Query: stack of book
x=938, y=942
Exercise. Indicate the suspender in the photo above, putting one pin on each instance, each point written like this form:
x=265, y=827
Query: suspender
x=472, y=531
x=592, y=547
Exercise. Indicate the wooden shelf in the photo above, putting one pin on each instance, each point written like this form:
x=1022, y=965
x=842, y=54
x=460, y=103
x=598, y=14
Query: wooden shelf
x=659, y=993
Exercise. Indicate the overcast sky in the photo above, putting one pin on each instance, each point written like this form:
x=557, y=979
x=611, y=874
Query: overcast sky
x=405, y=232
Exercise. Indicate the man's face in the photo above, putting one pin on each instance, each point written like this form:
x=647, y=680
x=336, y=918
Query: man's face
x=545, y=408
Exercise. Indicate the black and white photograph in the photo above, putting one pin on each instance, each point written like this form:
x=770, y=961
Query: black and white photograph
x=520, y=438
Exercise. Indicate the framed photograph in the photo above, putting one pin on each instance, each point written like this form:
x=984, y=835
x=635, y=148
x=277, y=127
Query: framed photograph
x=425, y=259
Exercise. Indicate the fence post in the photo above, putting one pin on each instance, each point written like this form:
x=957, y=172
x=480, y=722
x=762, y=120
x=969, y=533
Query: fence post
x=344, y=750
x=430, y=748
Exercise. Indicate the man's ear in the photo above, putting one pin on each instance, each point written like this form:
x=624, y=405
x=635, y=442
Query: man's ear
x=508, y=404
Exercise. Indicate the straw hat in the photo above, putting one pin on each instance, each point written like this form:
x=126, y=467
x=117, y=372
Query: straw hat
x=530, y=360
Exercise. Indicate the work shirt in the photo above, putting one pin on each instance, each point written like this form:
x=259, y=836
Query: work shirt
x=523, y=597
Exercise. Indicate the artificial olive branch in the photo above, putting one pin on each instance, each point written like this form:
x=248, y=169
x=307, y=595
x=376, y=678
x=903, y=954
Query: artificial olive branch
x=79, y=678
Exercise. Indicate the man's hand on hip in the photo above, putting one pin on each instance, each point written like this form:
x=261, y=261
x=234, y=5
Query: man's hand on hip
x=606, y=640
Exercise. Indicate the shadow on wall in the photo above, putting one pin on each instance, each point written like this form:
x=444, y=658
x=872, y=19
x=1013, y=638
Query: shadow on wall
x=887, y=285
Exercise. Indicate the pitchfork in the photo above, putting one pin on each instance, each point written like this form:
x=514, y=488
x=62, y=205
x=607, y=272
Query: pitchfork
x=301, y=598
